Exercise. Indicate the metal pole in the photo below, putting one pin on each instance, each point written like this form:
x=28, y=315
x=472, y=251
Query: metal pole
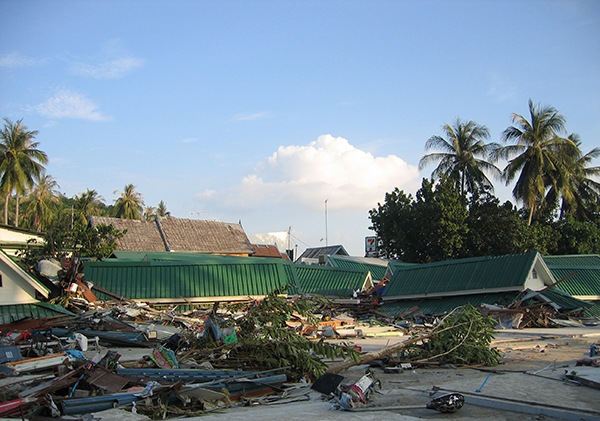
x=326, y=236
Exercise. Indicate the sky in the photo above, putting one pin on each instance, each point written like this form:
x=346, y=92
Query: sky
x=285, y=115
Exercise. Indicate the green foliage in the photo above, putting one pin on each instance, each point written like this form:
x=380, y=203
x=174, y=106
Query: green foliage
x=464, y=337
x=61, y=242
x=430, y=228
x=264, y=337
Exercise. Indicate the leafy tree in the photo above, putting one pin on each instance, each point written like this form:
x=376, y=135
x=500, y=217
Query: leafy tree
x=429, y=228
x=494, y=229
x=42, y=202
x=577, y=237
x=21, y=162
x=130, y=204
x=462, y=156
x=543, y=158
x=96, y=240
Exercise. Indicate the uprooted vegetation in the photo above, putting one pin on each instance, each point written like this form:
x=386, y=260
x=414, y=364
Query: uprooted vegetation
x=260, y=338
x=463, y=337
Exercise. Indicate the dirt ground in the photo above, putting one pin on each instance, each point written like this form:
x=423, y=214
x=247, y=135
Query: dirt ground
x=530, y=377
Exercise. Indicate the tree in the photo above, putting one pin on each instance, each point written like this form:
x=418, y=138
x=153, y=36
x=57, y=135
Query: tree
x=20, y=162
x=462, y=156
x=494, y=229
x=430, y=228
x=543, y=158
x=150, y=213
x=86, y=204
x=42, y=199
x=130, y=205
x=586, y=200
x=161, y=211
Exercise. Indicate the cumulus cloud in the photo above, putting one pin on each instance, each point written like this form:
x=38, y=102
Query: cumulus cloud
x=328, y=168
x=69, y=104
x=16, y=60
x=112, y=69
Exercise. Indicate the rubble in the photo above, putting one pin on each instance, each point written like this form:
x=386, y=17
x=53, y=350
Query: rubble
x=248, y=353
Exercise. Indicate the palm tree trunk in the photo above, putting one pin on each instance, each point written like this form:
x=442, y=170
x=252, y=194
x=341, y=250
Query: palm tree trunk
x=530, y=215
x=16, y=209
x=6, y=209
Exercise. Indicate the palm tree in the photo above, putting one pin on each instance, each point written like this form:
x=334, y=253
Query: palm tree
x=150, y=213
x=86, y=205
x=462, y=156
x=543, y=158
x=130, y=205
x=41, y=199
x=161, y=210
x=586, y=191
x=20, y=162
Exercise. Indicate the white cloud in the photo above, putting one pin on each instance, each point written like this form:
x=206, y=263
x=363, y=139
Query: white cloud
x=16, y=60
x=328, y=168
x=69, y=104
x=113, y=69
x=250, y=117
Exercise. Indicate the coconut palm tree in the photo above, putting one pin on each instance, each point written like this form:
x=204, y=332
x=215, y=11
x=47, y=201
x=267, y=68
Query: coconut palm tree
x=86, y=205
x=585, y=190
x=463, y=155
x=21, y=162
x=130, y=205
x=41, y=200
x=542, y=158
x=161, y=210
x=150, y=213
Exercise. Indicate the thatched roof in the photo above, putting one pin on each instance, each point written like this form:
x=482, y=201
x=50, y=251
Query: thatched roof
x=183, y=235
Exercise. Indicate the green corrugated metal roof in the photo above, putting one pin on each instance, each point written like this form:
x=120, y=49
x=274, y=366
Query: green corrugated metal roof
x=587, y=279
x=431, y=306
x=565, y=300
x=585, y=282
x=576, y=260
x=331, y=281
x=377, y=271
x=594, y=310
x=12, y=313
x=476, y=273
x=218, y=276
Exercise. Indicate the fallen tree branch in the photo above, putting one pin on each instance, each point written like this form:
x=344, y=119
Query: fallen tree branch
x=388, y=350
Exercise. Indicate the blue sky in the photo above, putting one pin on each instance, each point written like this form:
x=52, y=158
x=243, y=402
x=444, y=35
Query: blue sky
x=260, y=111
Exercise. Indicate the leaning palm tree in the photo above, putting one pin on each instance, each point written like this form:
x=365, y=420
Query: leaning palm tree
x=161, y=210
x=87, y=204
x=543, y=158
x=130, y=205
x=42, y=199
x=20, y=162
x=463, y=155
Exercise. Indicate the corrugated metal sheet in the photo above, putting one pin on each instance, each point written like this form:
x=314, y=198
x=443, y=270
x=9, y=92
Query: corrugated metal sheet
x=313, y=253
x=461, y=275
x=432, y=306
x=574, y=260
x=377, y=271
x=566, y=301
x=585, y=282
x=12, y=313
x=331, y=281
x=218, y=276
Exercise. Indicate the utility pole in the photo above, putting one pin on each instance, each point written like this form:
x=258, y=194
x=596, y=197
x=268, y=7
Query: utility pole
x=326, y=235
